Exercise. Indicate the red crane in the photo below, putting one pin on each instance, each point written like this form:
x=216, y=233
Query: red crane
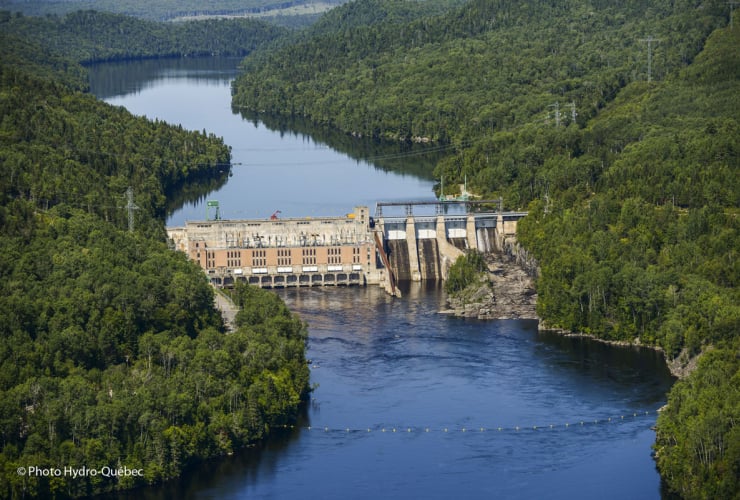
x=274, y=216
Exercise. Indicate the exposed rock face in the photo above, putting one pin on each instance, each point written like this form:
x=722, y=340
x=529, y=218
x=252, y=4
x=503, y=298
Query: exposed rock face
x=684, y=363
x=506, y=292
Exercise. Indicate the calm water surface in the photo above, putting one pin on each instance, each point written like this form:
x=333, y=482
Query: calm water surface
x=408, y=403
x=273, y=170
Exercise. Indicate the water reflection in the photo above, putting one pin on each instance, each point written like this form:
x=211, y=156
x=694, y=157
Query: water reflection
x=278, y=164
x=116, y=79
x=196, y=190
x=404, y=158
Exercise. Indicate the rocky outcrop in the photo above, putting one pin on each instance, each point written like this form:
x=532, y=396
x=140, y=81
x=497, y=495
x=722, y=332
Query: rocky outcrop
x=514, y=252
x=683, y=364
x=506, y=291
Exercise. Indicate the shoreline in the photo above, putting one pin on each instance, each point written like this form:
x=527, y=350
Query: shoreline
x=680, y=367
x=508, y=292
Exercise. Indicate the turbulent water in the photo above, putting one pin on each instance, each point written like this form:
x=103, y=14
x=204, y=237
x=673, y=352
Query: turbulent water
x=409, y=403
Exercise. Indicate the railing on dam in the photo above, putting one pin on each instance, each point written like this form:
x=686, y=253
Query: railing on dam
x=441, y=207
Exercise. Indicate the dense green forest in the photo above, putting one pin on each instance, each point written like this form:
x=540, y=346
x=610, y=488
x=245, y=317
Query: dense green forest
x=91, y=36
x=631, y=180
x=163, y=10
x=614, y=124
x=372, y=68
x=112, y=354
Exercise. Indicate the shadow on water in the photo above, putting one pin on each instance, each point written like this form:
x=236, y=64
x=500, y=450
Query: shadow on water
x=114, y=79
x=625, y=365
x=401, y=157
x=259, y=462
x=196, y=189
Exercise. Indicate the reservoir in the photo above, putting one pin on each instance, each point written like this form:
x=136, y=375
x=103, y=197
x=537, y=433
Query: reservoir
x=275, y=168
x=407, y=403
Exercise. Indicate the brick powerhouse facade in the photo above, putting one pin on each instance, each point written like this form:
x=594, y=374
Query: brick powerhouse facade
x=283, y=252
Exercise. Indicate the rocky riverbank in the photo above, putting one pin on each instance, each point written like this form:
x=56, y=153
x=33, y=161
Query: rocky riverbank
x=506, y=291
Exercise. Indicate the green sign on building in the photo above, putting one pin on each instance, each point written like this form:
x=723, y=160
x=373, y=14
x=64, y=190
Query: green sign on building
x=212, y=205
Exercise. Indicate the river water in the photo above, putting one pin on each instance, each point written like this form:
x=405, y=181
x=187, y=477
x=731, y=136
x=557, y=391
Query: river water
x=408, y=403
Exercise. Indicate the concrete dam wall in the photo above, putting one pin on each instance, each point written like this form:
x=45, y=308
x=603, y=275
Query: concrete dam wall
x=424, y=248
x=427, y=257
x=354, y=249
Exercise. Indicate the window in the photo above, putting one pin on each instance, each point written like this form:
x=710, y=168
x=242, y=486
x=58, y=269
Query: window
x=259, y=258
x=335, y=255
x=308, y=256
x=234, y=258
x=284, y=257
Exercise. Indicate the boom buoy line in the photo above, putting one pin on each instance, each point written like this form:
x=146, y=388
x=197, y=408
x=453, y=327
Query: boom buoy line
x=405, y=429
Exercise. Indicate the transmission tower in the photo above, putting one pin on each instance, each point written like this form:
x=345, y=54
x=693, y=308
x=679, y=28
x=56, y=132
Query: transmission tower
x=557, y=112
x=650, y=41
x=130, y=206
x=573, y=113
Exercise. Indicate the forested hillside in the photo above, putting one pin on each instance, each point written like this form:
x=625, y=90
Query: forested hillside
x=111, y=352
x=165, y=10
x=87, y=36
x=485, y=67
x=614, y=123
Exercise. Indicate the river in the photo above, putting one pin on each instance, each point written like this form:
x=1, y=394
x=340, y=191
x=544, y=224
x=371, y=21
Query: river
x=407, y=403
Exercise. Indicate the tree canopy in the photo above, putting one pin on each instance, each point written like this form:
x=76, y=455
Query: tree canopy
x=111, y=351
x=94, y=36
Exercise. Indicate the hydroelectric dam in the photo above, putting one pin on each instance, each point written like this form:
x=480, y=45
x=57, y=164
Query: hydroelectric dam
x=419, y=243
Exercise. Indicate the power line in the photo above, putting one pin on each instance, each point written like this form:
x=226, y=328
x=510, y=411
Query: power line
x=390, y=156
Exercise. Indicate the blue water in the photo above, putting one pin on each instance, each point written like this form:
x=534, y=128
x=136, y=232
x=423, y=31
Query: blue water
x=413, y=404
x=289, y=172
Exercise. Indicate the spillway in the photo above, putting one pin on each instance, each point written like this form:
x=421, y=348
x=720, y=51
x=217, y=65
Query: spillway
x=429, y=259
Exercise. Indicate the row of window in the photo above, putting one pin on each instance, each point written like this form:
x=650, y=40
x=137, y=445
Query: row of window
x=284, y=257
x=335, y=255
